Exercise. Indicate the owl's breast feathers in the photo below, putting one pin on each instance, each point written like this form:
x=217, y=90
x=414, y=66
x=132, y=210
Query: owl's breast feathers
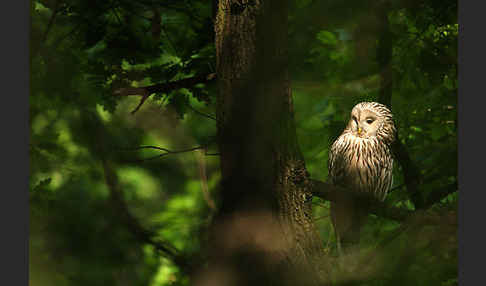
x=360, y=164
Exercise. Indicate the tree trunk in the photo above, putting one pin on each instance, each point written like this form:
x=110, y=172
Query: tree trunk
x=263, y=233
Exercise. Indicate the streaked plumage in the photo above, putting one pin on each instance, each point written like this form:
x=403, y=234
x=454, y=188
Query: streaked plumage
x=361, y=160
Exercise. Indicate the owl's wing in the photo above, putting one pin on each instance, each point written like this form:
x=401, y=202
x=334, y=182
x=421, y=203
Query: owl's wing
x=336, y=164
x=389, y=175
x=386, y=178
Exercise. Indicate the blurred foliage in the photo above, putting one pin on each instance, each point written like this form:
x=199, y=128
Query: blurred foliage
x=80, y=51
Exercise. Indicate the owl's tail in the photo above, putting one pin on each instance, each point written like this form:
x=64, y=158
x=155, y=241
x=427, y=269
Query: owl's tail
x=348, y=217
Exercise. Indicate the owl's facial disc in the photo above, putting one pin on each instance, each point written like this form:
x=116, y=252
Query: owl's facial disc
x=363, y=123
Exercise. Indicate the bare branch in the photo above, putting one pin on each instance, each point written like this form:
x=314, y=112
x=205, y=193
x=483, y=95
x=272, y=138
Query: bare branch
x=411, y=173
x=201, y=113
x=167, y=151
x=171, y=152
x=396, y=188
x=334, y=193
x=146, y=91
x=147, y=147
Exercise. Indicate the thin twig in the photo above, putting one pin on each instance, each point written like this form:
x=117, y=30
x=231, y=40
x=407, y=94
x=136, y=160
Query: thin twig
x=201, y=113
x=163, y=149
x=144, y=97
x=116, y=15
x=397, y=187
x=167, y=151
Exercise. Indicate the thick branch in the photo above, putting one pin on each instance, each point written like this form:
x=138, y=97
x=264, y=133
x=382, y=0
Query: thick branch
x=334, y=193
x=410, y=173
x=146, y=91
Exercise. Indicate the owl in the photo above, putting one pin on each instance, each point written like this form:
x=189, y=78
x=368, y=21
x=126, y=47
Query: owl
x=361, y=160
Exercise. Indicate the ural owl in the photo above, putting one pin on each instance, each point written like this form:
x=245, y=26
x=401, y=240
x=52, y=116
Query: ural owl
x=361, y=160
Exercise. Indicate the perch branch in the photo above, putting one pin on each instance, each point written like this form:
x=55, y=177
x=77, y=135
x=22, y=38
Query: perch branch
x=334, y=193
x=146, y=91
x=410, y=173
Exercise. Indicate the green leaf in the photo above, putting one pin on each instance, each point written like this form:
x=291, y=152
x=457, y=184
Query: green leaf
x=327, y=38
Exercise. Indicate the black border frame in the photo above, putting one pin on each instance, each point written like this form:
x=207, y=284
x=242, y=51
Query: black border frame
x=14, y=210
x=470, y=144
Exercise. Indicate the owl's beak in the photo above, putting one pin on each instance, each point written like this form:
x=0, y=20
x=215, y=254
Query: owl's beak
x=360, y=130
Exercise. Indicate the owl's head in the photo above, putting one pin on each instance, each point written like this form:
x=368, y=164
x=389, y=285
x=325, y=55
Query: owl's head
x=372, y=120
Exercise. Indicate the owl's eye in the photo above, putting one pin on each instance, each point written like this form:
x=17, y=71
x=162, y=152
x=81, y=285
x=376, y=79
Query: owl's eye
x=370, y=120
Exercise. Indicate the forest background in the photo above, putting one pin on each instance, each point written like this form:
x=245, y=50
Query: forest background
x=145, y=221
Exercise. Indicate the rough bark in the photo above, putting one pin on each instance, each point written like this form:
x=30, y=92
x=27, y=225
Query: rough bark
x=263, y=233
